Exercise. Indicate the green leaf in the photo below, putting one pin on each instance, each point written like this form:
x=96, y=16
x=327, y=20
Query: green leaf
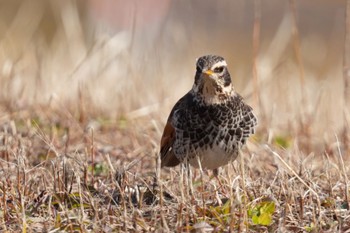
x=268, y=207
x=283, y=141
x=261, y=214
x=310, y=228
x=265, y=219
x=255, y=219
x=226, y=208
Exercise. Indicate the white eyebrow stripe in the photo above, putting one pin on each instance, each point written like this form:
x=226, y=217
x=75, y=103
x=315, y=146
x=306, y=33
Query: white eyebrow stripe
x=218, y=64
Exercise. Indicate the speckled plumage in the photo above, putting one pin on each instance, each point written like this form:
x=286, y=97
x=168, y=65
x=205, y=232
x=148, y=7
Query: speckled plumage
x=211, y=121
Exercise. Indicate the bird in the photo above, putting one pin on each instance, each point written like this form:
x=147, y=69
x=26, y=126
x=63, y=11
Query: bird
x=208, y=126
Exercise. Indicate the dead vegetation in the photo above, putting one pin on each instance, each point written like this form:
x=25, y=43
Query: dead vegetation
x=60, y=174
x=80, y=125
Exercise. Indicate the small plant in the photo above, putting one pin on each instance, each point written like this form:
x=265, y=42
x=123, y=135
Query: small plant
x=261, y=213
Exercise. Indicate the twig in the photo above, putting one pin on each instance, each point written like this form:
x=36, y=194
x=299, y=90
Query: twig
x=256, y=40
x=346, y=76
x=245, y=195
x=92, y=151
x=344, y=172
x=297, y=51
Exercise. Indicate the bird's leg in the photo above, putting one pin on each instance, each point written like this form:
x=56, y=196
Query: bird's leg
x=216, y=175
x=216, y=172
x=186, y=167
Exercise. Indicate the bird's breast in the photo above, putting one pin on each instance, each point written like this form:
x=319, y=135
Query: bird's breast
x=212, y=157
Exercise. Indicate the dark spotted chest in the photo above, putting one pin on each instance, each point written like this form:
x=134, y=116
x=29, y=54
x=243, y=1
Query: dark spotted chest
x=201, y=127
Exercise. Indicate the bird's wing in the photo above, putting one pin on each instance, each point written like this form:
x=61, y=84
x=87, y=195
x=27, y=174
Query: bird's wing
x=248, y=121
x=167, y=155
x=168, y=158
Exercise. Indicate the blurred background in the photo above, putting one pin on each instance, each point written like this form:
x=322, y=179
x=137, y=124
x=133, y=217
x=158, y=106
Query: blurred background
x=136, y=58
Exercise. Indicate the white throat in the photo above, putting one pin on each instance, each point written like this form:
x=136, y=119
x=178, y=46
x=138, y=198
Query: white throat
x=211, y=96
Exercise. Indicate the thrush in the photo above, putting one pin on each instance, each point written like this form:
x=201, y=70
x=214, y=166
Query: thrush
x=211, y=123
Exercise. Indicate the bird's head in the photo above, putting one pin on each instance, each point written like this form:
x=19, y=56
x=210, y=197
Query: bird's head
x=212, y=80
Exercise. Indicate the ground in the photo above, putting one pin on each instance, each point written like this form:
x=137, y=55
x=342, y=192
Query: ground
x=99, y=175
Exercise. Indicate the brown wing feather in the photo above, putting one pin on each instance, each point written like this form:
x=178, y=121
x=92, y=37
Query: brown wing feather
x=168, y=159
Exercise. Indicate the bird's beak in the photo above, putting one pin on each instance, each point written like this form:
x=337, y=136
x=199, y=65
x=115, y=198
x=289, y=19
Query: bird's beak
x=208, y=72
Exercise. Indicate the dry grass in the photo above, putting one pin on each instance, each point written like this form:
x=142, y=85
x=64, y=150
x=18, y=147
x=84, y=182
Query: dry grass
x=81, y=116
x=60, y=174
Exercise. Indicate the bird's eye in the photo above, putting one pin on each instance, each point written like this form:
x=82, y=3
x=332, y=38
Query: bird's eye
x=219, y=69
